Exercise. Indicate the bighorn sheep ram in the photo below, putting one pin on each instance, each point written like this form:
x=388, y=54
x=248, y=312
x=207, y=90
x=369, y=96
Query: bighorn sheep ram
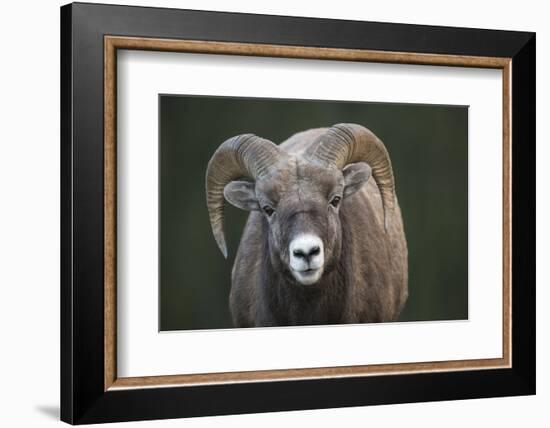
x=323, y=244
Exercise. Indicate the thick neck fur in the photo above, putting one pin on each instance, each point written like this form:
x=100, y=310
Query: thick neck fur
x=286, y=302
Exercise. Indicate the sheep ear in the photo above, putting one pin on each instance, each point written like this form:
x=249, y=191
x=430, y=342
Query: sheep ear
x=241, y=194
x=355, y=175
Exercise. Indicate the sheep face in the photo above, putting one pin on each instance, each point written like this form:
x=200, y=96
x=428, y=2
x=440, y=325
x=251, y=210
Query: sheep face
x=300, y=201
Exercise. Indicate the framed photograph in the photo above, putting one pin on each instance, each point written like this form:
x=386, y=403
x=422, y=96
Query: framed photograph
x=265, y=213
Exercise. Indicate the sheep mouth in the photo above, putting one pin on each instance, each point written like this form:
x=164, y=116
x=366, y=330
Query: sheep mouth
x=307, y=276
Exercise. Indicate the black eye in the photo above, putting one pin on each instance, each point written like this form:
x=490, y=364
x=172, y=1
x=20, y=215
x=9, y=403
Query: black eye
x=268, y=210
x=335, y=201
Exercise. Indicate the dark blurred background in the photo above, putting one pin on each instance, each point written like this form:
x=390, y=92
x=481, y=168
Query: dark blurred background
x=428, y=145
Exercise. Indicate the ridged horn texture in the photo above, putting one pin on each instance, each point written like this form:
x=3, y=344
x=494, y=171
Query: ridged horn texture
x=243, y=156
x=347, y=143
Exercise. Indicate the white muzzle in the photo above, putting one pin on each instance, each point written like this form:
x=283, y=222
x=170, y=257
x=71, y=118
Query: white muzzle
x=307, y=258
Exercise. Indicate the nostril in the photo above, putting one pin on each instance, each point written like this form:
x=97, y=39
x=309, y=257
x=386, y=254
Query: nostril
x=306, y=251
x=314, y=251
x=299, y=253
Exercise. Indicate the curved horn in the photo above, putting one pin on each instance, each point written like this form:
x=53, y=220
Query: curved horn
x=347, y=143
x=243, y=156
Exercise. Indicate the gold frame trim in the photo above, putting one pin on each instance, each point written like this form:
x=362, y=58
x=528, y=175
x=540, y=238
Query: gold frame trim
x=113, y=43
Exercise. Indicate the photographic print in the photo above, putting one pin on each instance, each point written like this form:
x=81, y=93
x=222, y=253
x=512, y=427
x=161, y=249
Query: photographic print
x=232, y=202
x=281, y=212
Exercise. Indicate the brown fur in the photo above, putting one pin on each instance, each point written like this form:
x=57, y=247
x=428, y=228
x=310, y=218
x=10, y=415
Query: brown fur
x=366, y=275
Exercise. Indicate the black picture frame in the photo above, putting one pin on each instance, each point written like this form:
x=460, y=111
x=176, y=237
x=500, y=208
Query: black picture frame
x=83, y=396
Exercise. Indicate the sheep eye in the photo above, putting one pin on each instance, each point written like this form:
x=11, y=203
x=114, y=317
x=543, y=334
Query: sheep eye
x=268, y=210
x=335, y=201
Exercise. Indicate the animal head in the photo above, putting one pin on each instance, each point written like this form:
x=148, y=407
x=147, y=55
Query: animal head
x=299, y=196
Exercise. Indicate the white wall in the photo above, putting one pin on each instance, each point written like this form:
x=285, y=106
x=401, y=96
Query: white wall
x=29, y=213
